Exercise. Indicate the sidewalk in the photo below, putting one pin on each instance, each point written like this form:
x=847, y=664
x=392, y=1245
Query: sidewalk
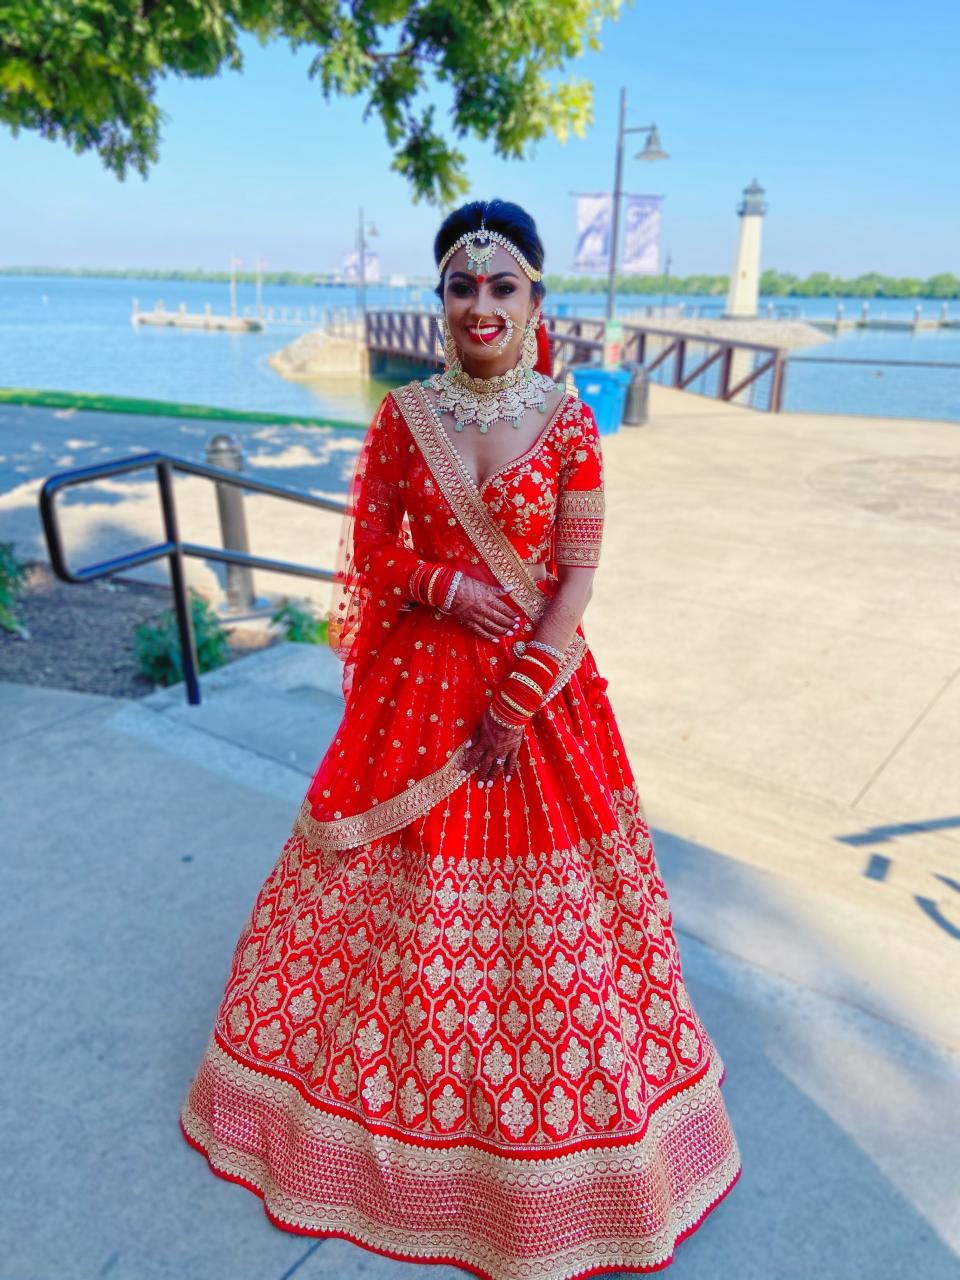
x=777, y=612
x=137, y=835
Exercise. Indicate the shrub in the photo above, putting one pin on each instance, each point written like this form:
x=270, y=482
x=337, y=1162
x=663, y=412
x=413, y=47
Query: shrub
x=300, y=625
x=158, y=647
x=12, y=574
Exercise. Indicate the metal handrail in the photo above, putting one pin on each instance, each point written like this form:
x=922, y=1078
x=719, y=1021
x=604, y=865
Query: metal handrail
x=174, y=548
x=411, y=335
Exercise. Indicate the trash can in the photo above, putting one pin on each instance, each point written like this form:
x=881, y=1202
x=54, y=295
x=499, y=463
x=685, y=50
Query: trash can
x=635, y=409
x=605, y=391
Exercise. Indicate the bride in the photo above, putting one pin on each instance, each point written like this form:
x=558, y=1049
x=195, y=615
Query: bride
x=455, y=1027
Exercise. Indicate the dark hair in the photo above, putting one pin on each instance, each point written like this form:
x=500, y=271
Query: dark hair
x=497, y=215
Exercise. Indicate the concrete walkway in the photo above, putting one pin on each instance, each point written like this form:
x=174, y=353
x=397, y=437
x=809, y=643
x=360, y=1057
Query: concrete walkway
x=777, y=610
x=137, y=834
x=777, y=613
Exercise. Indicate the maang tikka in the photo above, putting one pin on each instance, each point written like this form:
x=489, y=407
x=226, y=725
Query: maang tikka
x=481, y=245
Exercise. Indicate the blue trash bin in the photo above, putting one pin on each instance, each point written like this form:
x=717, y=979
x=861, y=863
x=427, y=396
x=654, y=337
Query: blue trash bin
x=605, y=391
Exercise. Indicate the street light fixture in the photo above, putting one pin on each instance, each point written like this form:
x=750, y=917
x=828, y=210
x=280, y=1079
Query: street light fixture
x=651, y=151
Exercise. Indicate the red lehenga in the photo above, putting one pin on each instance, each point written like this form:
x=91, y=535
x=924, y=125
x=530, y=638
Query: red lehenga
x=455, y=1027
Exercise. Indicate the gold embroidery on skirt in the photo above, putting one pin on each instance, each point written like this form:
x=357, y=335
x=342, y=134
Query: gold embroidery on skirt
x=607, y=1177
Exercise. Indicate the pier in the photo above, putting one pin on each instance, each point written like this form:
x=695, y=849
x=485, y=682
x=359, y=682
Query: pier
x=160, y=317
x=248, y=320
x=836, y=323
x=722, y=368
x=914, y=323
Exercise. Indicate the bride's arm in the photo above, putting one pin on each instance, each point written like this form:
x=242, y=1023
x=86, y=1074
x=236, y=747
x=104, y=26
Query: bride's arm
x=564, y=612
x=579, y=532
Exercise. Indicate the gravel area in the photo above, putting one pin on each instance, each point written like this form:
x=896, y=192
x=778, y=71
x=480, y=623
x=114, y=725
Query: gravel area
x=81, y=637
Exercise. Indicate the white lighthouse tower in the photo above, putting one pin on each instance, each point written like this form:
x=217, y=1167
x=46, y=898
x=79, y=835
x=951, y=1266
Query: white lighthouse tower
x=745, y=277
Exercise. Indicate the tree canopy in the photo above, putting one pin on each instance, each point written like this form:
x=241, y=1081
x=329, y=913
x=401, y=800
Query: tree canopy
x=87, y=72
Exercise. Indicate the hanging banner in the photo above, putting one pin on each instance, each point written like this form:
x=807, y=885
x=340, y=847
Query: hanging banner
x=641, y=236
x=351, y=267
x=593, y=234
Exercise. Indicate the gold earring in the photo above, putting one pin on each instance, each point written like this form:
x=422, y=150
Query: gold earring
x=528, y=357
x=449, y=349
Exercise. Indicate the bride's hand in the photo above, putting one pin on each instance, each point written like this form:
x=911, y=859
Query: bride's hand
x=482, y=607
x=495, y=747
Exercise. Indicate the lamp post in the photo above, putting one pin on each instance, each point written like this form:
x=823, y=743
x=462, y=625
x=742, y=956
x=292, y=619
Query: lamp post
x=652, y=151
x=364, y=229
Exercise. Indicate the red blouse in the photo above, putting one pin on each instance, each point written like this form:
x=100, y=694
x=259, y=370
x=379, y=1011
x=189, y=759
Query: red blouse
x=548, y=503
x=553, y=493
x=548, y=498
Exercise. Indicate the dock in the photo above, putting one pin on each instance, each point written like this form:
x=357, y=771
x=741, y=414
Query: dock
x=915, y=323
x=184, y=319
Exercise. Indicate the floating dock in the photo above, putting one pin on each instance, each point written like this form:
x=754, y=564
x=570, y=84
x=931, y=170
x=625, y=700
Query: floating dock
x=184, y=319
x=905, y=324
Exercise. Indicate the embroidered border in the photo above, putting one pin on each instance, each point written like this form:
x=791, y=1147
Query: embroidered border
x=508, y=1217
x=465, y=501
x=571, y=660
x=579, y=526
x=387, y=816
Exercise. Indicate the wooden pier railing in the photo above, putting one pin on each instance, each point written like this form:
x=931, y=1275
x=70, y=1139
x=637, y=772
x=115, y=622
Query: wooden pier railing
x=723, y=368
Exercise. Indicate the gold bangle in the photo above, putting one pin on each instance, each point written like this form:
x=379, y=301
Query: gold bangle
x=507, y=724
x=430, y=585
x=528, y=657
x=524, y=711
x=518, y=675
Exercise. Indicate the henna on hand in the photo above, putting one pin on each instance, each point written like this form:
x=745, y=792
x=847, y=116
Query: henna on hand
x=482, y=608
x=494, y=748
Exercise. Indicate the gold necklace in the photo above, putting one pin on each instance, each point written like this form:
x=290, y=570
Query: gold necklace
x=487, y=400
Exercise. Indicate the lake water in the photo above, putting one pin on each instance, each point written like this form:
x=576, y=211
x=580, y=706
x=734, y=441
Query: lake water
x=74, y=334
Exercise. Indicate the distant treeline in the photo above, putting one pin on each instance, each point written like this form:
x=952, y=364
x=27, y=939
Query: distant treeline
x=167, y=273
x=773, y=284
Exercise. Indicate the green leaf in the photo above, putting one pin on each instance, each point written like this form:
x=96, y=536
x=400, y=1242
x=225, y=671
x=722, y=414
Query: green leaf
x=87, y=74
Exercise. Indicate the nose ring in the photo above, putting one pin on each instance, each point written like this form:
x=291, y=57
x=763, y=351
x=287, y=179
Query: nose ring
x=508, y=328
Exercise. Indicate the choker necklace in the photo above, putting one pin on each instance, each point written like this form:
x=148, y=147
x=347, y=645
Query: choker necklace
x=487, y=400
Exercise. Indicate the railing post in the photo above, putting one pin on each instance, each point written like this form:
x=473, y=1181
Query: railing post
x=178, y=580
x=777, y=383
x=726, y=364
x=225, y=451
x=679, y=361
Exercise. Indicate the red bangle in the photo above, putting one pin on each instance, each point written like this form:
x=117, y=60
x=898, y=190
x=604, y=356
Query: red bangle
x=429, y=582
x=541, y=667
x=439, y=582
x=415, y=584
x=502, y=711
x=525, y=687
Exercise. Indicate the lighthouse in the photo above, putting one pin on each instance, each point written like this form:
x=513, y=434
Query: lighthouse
x=745, y=277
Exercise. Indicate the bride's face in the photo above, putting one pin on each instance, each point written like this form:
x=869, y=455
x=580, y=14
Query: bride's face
x=479, y=303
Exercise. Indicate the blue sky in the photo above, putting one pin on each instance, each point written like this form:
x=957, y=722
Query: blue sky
x=846, y=112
